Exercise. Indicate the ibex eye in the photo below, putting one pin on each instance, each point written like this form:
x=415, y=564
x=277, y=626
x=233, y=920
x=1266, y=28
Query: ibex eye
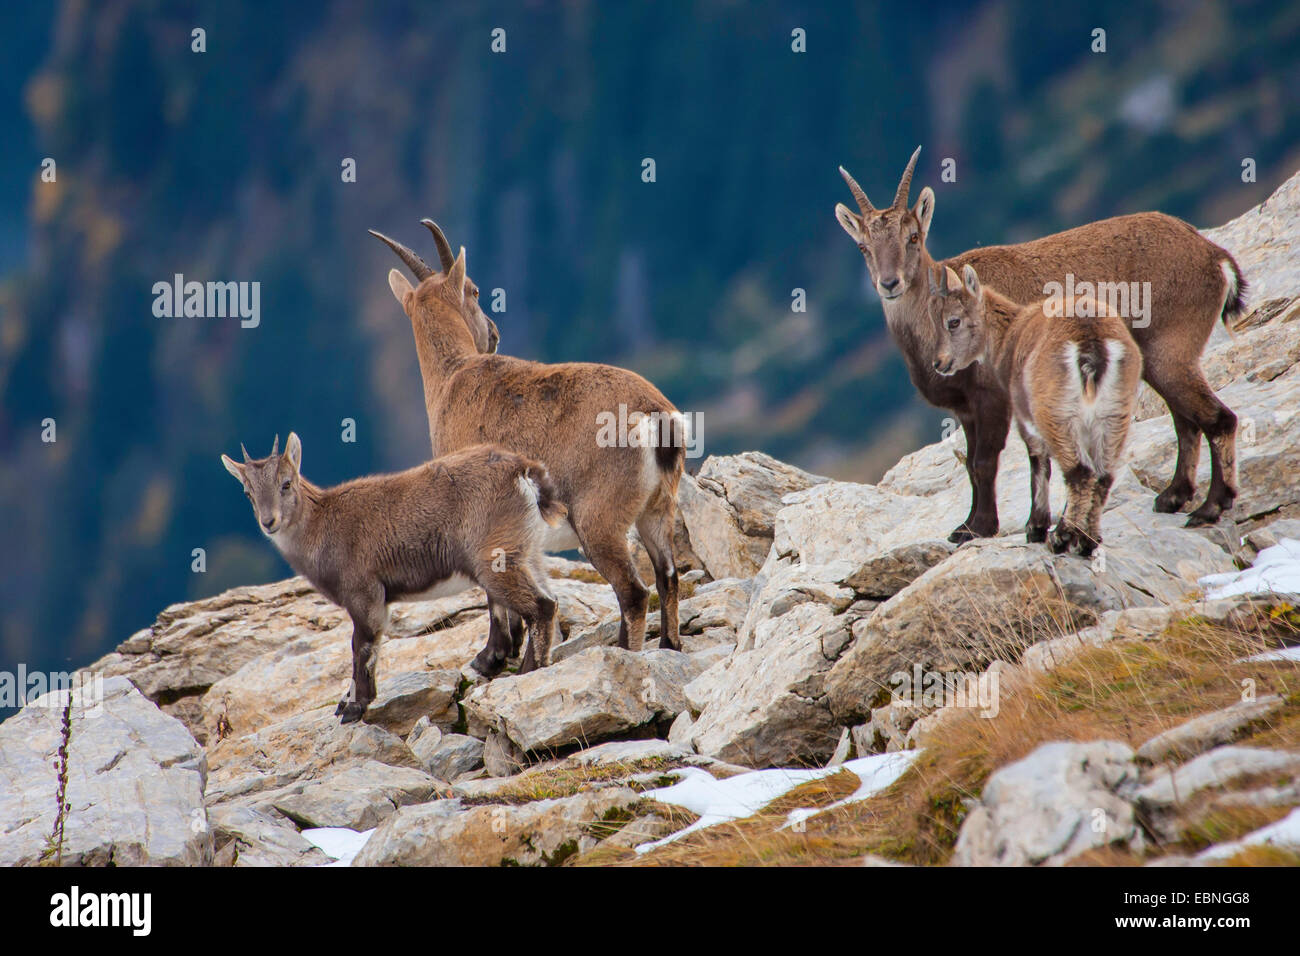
x=285, y=486
x=953, y=323
x=914, y=239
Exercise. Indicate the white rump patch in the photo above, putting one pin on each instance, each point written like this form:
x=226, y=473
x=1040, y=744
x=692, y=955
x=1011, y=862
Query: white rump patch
x=444, y=588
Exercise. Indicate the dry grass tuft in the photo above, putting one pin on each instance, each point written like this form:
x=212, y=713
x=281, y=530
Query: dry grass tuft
x=1128, y=690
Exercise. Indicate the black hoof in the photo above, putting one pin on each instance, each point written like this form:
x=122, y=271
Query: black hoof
x=1171, y=501
x=1206, y=515
x=339, y=709
x=352, y=712
x=1084, y=546
x=488, y=665
x=961, y=534
x=1061, y=539
x=1035, y=534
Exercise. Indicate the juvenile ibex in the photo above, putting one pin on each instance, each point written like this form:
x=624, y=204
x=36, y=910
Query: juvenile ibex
x=1072, y=380
x=553, y=413
x=474, y=517
x=1192, y=282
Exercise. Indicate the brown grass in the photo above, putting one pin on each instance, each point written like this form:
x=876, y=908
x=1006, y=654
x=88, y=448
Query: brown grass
x=1127, y=690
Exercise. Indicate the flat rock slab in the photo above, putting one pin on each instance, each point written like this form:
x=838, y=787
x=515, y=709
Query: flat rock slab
x=1200, y=734
x=299, y=748
x=541, y=833
x=587, y=698
x=1219, y=768
x=135, y=783
x=766, y=706
x=1058, y=802
x=991, y=600
x=358, y=797
x=243, y=836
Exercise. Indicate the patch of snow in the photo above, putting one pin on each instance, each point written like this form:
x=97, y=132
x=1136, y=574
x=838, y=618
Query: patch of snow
x=1285, y=654
x=720, y=801
x=1285, y=833
x=1276, y=571
x=338, y=842
x=876, y=773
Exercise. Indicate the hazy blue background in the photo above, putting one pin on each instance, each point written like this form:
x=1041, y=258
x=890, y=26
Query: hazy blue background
x=225, y=165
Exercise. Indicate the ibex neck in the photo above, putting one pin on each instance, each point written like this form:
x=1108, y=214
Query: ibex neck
x=296, y=540
x=442, y=343
x=999, y=313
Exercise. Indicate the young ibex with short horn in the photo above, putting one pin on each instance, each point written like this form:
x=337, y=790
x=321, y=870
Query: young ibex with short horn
x=553, y=413
x=477, y=516
x=1072, y=380
x=1189, y=284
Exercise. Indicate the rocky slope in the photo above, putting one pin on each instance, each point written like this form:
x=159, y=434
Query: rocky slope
x=1119, y=692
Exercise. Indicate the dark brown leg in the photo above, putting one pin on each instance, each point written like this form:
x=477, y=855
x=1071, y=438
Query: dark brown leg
x=1183, y=485
x=491, y=661
x=656, y=535
x=367, y=626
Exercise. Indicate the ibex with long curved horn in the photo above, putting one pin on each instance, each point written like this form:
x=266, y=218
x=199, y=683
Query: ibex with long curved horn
x=553, y=413
x=1189, y=284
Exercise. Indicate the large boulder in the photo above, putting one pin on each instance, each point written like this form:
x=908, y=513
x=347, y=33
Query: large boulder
x=993, y=599
x=766, y=705
x=541, y=833
x=303, y=747
x=246, y=837
x=729, y=508
x=134, y=787
x=592, y=696
x=1060, y=801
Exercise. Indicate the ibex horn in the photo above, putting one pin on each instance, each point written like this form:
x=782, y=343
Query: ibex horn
x=419, y=268
x=245, y=451
x=275, y=446
x=864, y=204
x=905, y=184
x=445, y=255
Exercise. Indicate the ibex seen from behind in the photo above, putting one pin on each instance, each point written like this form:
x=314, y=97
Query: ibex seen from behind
x=1193, y=284
x=1072, y=380
x=552, y=413
x=474, y=517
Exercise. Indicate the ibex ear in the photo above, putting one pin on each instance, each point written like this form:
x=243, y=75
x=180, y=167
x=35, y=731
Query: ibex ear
x=293, y=450
x=234, y=468
x=950, y=280
x=456, y=275
x=849, y=221
x=972, y=280
x=925, y=208
x=401, y=288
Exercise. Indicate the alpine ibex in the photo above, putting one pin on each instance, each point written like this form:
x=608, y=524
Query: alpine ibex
x=1072, y=380
x=1192, y=284
x=553, y=413
x=477, y=516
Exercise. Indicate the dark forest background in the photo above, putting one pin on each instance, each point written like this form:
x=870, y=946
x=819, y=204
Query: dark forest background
x=225, y=165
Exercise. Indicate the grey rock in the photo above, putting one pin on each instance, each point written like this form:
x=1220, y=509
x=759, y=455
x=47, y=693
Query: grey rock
x=243, y=836
x=1060, y=801
x=1209, y=730
x=358, y=796
x=135, y=782
x=593, y=696
x=454, y=756
x=541, y=833
x=405, y=698
x=766, y=706
x=1217, y=768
